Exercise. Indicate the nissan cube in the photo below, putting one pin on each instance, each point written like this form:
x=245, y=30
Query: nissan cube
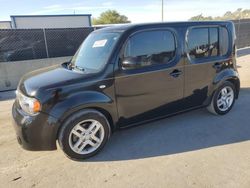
x=123, y=76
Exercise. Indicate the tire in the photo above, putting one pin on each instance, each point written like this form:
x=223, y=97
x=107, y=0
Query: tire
x=218, y=101
x=84, y=134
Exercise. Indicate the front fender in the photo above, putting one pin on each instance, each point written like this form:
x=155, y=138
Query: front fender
x=82, y=100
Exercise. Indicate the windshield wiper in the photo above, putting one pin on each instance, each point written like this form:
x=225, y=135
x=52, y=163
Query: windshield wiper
x=72, y=67
x=78, y=68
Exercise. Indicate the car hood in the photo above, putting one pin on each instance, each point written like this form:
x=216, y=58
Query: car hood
x=48, y=78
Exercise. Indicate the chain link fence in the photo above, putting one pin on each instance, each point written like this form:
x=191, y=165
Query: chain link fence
x=242, y=28
x=21, y=45
x=28, y=44
x=61, y=42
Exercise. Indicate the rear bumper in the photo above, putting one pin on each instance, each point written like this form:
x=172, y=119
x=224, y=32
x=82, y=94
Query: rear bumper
x=34, y=133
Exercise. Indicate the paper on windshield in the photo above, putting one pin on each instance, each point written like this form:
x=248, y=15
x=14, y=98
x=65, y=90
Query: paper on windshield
x=99, y=43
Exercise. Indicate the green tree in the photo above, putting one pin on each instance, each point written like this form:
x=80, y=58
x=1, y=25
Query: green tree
x=110, y=17
x=236, y=15
x=200, y=17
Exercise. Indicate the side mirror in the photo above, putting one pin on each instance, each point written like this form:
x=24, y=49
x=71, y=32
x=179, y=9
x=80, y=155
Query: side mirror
x=129, y=63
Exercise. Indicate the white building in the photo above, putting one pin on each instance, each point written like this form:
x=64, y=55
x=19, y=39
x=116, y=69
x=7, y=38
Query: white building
x=50, y=21
x=5, y=24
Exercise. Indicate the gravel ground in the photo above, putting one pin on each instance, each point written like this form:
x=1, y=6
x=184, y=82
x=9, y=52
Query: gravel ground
x=194, y=149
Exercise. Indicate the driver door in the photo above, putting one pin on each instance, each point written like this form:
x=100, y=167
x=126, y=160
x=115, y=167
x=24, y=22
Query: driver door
x=149, y=83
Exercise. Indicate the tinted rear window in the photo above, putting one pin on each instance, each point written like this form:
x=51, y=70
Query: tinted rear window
x=214, y=41
x=207, y=42
x=198, y=43
x=224, y=41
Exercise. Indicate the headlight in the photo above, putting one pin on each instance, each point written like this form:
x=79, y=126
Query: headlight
x=29, y=105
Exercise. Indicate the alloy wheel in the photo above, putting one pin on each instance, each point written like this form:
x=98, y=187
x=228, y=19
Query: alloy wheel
x=86, y=136
x=225, y=98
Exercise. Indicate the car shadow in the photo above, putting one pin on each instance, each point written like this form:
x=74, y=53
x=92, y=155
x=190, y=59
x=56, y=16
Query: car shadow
x=189, y=131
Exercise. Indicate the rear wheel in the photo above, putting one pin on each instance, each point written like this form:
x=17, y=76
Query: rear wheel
x=84, y=134
x=223, y=99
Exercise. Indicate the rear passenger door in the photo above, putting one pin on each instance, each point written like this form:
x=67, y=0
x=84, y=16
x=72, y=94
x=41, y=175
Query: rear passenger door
x=206, y=49
x=154, y=87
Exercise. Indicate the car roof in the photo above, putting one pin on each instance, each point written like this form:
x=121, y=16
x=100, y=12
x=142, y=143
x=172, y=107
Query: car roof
x=126, y=27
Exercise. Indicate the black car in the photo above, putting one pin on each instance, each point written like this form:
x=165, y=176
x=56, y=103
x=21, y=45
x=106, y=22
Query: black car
x=126, y=75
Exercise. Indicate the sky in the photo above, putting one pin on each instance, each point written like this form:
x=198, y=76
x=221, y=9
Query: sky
x=138, y=11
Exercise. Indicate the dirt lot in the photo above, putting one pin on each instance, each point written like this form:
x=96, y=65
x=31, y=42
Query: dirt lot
x=194, y=149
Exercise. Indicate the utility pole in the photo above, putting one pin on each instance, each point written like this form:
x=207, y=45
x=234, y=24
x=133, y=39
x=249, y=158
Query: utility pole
x=162, y=10
x=238, y=32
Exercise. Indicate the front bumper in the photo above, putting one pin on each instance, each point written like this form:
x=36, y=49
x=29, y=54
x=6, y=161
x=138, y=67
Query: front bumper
x=35, y=133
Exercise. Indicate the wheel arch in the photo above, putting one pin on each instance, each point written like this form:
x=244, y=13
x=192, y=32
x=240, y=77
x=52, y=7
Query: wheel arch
x=229, y=75
x=86, y=100
x=226, y=75
x=97, y=109
x=236, y=82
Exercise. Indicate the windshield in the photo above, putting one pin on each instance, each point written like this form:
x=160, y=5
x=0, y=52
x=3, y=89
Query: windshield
x=94, y=51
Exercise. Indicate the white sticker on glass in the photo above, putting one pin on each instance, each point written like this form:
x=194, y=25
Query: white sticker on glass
x=100, y=43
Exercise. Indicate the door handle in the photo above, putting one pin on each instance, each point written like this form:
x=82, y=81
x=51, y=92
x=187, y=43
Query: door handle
x=217, y=66
x=176, y=73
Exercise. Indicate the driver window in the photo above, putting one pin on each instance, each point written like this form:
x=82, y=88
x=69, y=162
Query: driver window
x=151, y=48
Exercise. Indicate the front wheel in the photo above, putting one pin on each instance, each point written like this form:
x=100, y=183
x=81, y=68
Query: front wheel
x=84, y=134
x=223, y=99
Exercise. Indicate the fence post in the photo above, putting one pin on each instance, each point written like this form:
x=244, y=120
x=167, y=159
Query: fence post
x=45, y=41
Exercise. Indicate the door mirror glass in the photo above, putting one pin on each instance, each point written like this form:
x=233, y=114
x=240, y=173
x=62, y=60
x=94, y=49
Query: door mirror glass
x=129, y=63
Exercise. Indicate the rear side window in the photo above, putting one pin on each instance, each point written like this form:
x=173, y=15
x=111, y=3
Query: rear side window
x=207, y=42
x=224, y=43
x=151, y=47
x=213, y=41
x=198, y=43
